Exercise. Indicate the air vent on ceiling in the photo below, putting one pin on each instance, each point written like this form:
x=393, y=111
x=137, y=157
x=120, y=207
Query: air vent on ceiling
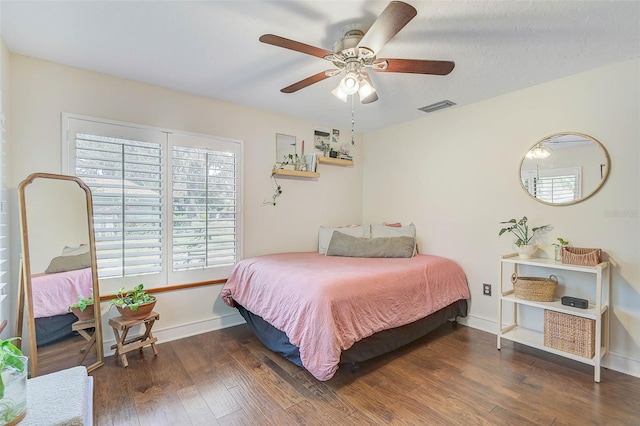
x=437, y=106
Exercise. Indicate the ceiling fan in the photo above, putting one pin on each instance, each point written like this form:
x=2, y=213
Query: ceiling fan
x=357, y=51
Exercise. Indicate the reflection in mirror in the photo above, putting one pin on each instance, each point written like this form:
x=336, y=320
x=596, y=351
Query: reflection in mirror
x=58, y=267
x=285, y=146
x=564, y=168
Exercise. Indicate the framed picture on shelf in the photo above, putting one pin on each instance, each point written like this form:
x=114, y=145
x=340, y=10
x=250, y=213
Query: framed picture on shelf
x=335, y=139
x=322, y=140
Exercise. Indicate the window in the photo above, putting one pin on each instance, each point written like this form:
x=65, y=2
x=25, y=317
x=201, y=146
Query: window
x=166, y=204
x=4, y=228
x=553, y=185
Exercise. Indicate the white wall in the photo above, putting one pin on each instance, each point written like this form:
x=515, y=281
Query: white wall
x=41, y=91
x=455, y=175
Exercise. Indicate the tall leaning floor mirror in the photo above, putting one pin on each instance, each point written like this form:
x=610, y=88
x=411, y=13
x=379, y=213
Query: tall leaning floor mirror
x=58, y=268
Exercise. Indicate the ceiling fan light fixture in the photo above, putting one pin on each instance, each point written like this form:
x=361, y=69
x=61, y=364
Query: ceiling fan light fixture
x=539, y=152
x=366, y=91
x=349, y=83
x=371, y=98
x=339, y=93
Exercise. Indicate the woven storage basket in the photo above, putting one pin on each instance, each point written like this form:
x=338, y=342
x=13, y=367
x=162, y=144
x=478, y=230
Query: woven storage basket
x=570, y=333
x=581, y=256
x=534, y=288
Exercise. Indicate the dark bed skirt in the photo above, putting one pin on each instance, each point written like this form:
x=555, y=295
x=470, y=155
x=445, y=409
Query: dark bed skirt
x=372, y=346
x=51, y=329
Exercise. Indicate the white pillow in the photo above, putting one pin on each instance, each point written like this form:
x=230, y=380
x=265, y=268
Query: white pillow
x=378, y=231
x=73, y=251
x=325, y=233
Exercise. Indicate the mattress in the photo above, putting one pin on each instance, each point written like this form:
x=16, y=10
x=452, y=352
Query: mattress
x=325, y=304
x=53, y=293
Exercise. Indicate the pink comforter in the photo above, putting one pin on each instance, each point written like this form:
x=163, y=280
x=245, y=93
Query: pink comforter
x=53, y=293
x=325, y=304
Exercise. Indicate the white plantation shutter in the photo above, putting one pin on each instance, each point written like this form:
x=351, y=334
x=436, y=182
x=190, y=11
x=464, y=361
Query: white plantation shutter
x=204, y=208
x=553, y=185
x=125, y=178
x=556, y=189
x=165, y=204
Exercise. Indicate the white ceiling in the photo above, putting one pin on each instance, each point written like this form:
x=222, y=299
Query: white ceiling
x=211, y=48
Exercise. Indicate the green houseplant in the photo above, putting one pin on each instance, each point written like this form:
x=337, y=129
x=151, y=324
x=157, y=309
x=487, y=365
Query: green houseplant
x=524, y=235
x=13, y=382
x=558, y=247
x=83, y=308
x=135, y=303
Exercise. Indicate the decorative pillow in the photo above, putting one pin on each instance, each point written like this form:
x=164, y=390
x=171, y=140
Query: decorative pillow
x=393, y=225
x=325, y=233
x=348, y=246
x=72, y=251
x=378, y=231
x=68, y=263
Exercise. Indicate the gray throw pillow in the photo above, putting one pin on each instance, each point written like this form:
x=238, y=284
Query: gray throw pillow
x=69, y=263
x=348, y=246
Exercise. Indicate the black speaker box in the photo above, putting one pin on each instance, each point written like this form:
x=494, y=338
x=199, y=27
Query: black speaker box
x=575, y=302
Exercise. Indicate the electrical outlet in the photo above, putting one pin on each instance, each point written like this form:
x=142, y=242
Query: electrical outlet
x=486, y=289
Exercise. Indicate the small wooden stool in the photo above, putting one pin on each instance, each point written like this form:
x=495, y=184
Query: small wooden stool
x=120, y=324
x=80, y=327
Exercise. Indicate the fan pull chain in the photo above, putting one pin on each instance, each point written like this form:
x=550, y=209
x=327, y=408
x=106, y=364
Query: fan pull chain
x=353, y=123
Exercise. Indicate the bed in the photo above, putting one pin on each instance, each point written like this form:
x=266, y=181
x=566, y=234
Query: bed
x=321, y=310
x=52, y=294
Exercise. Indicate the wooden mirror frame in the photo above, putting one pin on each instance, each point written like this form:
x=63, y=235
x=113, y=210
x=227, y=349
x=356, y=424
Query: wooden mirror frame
x=604, y=170
x=25, y=298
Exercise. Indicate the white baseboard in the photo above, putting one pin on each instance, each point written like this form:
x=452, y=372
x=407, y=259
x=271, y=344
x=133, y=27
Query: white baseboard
x=613, y=361
x=181, y=331
x=622, y=364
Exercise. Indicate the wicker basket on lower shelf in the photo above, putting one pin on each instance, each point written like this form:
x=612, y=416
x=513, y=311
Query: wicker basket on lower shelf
x=581, y=256
x=569, y=333
x=534, y=288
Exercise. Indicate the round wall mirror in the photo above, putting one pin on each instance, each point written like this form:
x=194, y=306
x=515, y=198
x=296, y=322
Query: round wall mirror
x=564, y=168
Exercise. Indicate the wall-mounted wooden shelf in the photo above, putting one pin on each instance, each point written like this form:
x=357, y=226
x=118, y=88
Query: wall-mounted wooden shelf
x=295, y=173
x=335, y=161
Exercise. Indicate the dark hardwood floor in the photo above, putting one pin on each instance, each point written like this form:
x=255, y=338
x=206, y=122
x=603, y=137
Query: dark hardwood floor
x=455, y=376
x=64, y=354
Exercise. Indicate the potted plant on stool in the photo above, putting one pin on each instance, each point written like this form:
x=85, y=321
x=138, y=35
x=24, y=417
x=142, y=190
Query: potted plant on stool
x=13, y=383
x=83, y=308
x=135, y=303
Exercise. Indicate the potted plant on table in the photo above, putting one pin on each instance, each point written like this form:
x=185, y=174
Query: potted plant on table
x=523, y=245
x=135, y=303
x=83, y=308
x=13, y=383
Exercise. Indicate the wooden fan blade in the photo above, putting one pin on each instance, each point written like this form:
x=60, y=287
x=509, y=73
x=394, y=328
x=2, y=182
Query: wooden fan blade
x=306, y=82
x=392, y=19
x=416, y=66
x=294, y=45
